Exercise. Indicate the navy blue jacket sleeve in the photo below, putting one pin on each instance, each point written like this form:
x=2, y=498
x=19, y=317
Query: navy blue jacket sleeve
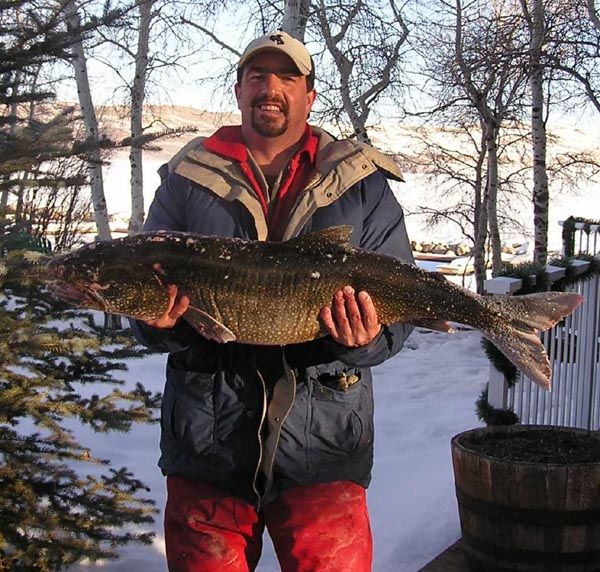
x=384, y=231
x=167, y=212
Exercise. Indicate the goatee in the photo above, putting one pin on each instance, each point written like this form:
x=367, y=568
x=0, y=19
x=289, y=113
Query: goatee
x=269, y=126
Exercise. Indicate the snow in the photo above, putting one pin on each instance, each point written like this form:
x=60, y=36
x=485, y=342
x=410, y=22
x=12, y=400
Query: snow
x=423, y=396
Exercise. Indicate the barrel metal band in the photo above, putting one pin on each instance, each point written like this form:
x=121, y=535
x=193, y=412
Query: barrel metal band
x=527, y=515
x=479, y=549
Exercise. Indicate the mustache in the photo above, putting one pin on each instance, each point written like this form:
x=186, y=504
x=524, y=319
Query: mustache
x=270, y=100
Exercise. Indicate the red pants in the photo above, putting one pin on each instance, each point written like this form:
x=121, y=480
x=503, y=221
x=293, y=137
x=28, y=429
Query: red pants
x=315, y=528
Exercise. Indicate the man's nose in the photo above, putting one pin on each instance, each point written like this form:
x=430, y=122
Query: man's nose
x=271, y=84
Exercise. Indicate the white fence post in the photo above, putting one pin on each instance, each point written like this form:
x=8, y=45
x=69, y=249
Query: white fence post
x=497, y=387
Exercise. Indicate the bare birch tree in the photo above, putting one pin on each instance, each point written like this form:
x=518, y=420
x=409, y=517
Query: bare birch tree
x=564, y=72
x=295, y=18
x=572, y=57
x=357, y=48
x=138, y=93
x=492, y=79
x=471, y=67
x=534, y=17
x=364, y=40
x=88, y=111
x=145, y=50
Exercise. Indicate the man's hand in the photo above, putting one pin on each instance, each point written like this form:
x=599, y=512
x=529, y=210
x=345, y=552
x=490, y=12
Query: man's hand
x=175, y=309
x=351, y=320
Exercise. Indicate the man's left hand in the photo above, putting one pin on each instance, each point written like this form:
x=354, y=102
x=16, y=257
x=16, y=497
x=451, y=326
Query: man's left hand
x=352, y=319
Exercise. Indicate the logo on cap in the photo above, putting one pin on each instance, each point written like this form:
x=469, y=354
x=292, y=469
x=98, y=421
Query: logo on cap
x=277, y=38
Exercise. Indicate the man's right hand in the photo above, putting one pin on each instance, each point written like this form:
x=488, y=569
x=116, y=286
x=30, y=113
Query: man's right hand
x=176, y=308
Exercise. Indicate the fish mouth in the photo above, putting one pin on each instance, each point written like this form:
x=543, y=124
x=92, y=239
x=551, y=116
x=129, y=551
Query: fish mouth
x=76, y=295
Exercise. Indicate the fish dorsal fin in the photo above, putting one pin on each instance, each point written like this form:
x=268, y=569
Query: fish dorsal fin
x=332, y=238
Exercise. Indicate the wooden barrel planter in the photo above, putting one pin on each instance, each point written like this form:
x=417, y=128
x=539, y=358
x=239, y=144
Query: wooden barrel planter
x=529, y=498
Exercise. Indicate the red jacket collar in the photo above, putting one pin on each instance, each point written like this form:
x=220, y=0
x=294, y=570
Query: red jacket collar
x=228, y=142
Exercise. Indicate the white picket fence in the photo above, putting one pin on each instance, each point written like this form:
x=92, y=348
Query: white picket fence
x=573, y=347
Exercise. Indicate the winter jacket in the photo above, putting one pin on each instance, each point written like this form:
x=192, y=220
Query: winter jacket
x=256, y=420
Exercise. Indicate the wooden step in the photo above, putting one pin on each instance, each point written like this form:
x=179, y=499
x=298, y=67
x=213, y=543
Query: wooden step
x=451, y=560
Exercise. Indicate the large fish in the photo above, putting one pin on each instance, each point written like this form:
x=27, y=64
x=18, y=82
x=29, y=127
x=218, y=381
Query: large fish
x=271, y=292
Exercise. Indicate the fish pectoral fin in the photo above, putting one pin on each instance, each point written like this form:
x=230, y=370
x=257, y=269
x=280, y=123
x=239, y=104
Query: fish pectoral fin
x=159, y=274
x=437, y=325
x=207, y=326
x=335, y=238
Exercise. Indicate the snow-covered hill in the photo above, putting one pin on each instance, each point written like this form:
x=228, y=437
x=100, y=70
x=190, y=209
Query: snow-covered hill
x=417, y=190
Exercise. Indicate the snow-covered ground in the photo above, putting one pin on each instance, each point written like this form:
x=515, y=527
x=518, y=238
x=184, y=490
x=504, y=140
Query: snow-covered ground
x=423, y=396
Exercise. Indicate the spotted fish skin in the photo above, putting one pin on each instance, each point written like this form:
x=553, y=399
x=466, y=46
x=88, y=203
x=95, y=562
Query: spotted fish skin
x=271, y=293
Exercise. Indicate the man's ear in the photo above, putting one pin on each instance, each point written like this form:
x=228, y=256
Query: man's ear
x=236, y=89
x=310, y=99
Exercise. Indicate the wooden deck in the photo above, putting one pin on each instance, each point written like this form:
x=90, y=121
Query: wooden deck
x=451, y=560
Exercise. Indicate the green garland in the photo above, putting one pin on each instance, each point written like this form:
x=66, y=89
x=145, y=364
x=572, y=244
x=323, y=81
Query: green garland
x=568, y=233
x=568, y=236
x=492, y=416
x=534, y=276
x=535, y=279
x=500, y=362
x=571, y=276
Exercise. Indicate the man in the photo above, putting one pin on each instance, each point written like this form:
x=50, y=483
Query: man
x=280, y=437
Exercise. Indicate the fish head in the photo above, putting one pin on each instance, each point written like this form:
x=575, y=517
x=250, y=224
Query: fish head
x=106, y=276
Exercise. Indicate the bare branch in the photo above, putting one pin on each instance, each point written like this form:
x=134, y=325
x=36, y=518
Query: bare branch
x=212, y=36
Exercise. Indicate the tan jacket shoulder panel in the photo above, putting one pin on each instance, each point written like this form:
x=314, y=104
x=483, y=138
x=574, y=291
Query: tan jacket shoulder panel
x=340, y=164
x=222, y=176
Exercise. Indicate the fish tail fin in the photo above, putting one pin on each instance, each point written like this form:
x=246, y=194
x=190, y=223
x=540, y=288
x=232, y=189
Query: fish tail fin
x=517, y=335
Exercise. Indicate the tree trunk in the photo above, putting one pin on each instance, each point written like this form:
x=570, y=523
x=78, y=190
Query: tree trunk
x=541, y=197
x=137, y=108
x=479, y=211
x=357, y=120
x=295, y=16
x=480, y=219
x=492, y=197
x=344, y=67
x=481, y=234
x=91, y=124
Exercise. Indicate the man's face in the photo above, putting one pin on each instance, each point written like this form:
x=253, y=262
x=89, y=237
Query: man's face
x=272, y=96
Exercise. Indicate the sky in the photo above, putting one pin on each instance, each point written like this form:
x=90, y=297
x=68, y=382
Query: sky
x=423, y=397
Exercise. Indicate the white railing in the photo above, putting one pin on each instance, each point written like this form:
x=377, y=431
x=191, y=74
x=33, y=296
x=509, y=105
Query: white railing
x=573, y=349
x=585, y=241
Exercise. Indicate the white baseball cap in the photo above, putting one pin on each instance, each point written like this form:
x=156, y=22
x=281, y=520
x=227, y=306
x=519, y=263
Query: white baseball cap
x=280, y=41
